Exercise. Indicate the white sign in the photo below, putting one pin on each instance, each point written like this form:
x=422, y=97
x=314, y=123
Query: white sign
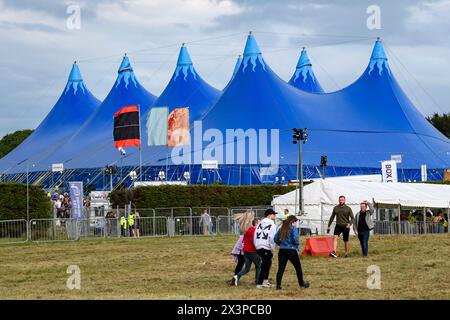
x=210, y=164
x=159, y=183
x=423, y=169
x=396, y=157
x=57, y=167
x=389, y=171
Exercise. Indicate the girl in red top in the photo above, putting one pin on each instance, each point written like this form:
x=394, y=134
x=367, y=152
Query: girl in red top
x=250, y=254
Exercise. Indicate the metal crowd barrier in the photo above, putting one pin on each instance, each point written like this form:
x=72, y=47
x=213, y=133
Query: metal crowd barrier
x=13, y=231
x=193, y=226
x=45, y=230
x=408, y=228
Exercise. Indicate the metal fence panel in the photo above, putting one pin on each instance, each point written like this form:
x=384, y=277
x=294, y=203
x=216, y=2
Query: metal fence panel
x=407, y=227
x=13, y=231
x=226, y=225
x=91, y=228
x=193, y=226
x=173, y=212
x=212, y=211
x=44, y=230
x=151, y=227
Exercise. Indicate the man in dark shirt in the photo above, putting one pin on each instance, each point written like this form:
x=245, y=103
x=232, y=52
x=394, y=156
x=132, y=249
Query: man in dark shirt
x=363, y=225
x=344, y=219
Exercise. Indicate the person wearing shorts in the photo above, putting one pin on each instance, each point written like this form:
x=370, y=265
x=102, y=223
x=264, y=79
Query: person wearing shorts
x=344, y=220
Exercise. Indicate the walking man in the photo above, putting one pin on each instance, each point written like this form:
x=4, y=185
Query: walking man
x=344, y=220
x=265, y=246
x=363, y=224
x=205, y=221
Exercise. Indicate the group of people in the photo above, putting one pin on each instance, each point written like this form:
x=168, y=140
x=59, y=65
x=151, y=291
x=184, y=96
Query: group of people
x=258, y=239
x=61, y=204
x=256, y=246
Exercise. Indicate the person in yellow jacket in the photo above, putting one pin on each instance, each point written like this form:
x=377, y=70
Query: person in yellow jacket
x=123, y=225
x=131, y=224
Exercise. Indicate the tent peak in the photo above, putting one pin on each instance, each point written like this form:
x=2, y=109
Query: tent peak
x=184, y=64
x=237, y=65
x=126, y=73
x=304, y=77
x=75, y=80
x=379, y=58
x=184, y=57
x=252, y=53
x=125, y=65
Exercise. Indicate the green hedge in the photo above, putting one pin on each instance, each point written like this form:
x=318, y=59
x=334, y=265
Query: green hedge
x=13, y=202
x=198, y=196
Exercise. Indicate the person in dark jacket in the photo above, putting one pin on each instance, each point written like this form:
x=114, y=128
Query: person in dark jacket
x=363, y=224
x=288, y=239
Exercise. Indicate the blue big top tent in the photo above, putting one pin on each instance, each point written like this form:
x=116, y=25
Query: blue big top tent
x=247, y=127
x=304, y=77
x=356, y=127
x=74, y=106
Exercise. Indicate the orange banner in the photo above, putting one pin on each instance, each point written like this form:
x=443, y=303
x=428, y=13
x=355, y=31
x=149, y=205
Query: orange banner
x=178, y=127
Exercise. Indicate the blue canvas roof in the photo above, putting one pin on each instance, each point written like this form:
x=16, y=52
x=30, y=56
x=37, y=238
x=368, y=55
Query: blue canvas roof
x=73, y=107
x=304, y=77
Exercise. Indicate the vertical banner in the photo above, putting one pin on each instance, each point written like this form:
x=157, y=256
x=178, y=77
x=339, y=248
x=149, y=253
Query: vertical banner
x=389, y=171
x=423, y=169
x=178, y=127
x=127, y=127
x=76, y=195
x=157, y=126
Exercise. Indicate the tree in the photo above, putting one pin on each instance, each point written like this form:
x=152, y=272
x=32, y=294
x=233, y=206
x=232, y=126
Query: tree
x=441, y=122
x=12, y=140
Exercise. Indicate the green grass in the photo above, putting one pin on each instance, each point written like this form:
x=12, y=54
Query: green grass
x=412, y=267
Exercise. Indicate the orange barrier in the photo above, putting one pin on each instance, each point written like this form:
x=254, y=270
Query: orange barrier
x=318, y=246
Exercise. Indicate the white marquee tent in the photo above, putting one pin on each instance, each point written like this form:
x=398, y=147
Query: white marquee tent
x=321, y=196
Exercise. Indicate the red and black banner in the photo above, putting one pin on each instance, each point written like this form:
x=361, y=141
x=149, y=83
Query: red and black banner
x=126, y=127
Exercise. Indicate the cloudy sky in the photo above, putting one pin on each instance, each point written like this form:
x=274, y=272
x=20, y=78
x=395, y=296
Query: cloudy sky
x=38, y=48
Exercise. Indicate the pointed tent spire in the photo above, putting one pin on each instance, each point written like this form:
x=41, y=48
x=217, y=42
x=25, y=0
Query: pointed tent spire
x=304, y=77
x=237, y=65
x=252, y=53
x=126, y=73
x=379, y=58
x=125, y=65
x=303, y=61
x=75, y=80
x=184, y=64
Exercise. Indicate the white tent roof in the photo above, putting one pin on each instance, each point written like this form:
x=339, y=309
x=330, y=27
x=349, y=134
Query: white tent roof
x=406, y=194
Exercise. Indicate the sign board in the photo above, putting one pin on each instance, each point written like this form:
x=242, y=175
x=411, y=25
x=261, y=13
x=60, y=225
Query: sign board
x=210, y=164
x=396, y=157
x=159, y=183
x=57, y=167
x=423, y=170
x=76, y=195
x=389, y=171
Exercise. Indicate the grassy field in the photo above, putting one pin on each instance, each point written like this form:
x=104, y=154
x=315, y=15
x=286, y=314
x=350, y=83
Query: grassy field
x=412, y=267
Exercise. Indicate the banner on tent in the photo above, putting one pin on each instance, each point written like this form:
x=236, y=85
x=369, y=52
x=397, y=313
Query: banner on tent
x=76, y=194
x=389, y=171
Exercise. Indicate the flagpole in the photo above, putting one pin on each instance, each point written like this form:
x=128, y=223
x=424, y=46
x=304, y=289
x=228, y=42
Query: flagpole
x=140, y=145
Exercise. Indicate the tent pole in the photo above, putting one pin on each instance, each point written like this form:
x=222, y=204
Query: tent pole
x=424, y=220
x=448, y=217
x=399, y=213
x=140, y=144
